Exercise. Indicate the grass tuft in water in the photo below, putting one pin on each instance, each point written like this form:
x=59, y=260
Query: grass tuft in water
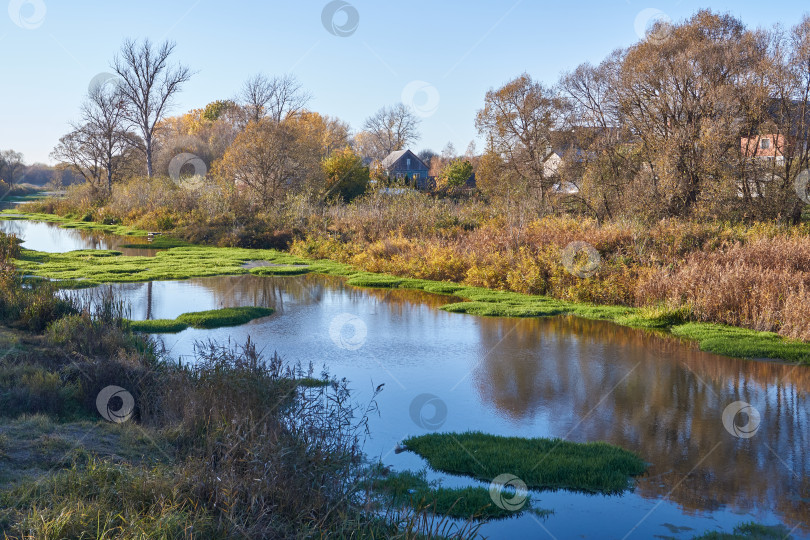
x=543, y=464
x=412, y=489
x=280, y=270
x=749, y=531
x=215, y=318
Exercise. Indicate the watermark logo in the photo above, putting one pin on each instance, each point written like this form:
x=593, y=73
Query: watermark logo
x=508, y=492
x=747, y=413
x=27, y=14
x=104, y=81
x=801, y=184
x=184, y=161
x=428, y=411
x=340, y=18
x=348, y=331
x=422, y=97
x=572, y=260
x=106, y=404
x=653, y=25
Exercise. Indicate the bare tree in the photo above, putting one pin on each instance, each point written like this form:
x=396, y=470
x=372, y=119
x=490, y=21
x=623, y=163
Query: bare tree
x=148, y=85
x=275, y=98
x=104, y=113
x=593, y=140
x=78, y=151
x=392, y=128
x=10, y=163
x=95, y=146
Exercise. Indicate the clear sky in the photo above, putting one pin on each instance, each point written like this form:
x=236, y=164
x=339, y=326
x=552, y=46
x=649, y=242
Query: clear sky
x=439, y=56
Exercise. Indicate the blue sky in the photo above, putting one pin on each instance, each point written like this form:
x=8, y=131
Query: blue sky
x=460, y=49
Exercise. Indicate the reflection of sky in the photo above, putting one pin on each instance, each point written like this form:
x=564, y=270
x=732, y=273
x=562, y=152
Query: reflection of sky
x=581, y=380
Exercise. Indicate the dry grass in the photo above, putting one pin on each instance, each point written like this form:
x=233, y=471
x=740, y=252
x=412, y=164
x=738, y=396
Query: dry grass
x=763, y=284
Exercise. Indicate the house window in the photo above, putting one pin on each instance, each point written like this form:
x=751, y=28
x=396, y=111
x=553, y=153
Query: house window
x=765, y=143
x=416, y=176
x=408, y=163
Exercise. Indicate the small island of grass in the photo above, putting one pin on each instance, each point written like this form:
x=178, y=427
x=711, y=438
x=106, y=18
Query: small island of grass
x=543, y=464
x=215, y=318
x=474, y=502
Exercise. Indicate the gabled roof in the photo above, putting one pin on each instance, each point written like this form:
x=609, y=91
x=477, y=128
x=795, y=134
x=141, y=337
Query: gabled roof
x=395, y=156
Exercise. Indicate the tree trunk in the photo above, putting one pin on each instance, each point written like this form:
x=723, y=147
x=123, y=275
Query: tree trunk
x=148, y=142
x=109, y=177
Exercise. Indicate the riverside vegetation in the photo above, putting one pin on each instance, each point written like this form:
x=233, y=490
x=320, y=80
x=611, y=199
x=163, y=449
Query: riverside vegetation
x=431, y=267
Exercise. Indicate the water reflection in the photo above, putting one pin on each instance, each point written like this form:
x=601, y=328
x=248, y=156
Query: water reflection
x=564, y=377
x=661, y=398
x=49, y=237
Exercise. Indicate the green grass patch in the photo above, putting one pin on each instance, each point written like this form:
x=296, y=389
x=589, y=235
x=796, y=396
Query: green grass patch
x=279, y=270
x=543, y=464
x=750, y=531
x=376, y=281
x=215, y=318
x=158, y=242
x=715, y=338
x=744, y=343
x=412, y=489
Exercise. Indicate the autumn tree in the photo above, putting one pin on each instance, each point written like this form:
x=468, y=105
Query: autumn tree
x=346, y=177
x=148, y=84
x=684, y=97
x=454, y=175
x=517, y=121
x=262, y=160
x=207, y=133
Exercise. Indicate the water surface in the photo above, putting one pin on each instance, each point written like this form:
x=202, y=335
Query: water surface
x=49, y=237
x=556, y=377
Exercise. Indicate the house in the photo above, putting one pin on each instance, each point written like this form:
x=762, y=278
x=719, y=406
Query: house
x=784, y=132
x=404, y=164
x=769, y=146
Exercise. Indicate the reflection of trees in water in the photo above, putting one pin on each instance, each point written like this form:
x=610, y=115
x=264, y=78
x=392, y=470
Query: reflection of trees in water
x=663, y=399
x=70, y=239
x=12, y=227
x=250, y=290
x=270, y=291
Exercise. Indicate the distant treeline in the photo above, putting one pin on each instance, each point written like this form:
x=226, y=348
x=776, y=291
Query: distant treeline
x=13, y=170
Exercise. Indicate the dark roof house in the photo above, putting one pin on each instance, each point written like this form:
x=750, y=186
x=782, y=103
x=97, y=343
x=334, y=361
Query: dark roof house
x=405, y=164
